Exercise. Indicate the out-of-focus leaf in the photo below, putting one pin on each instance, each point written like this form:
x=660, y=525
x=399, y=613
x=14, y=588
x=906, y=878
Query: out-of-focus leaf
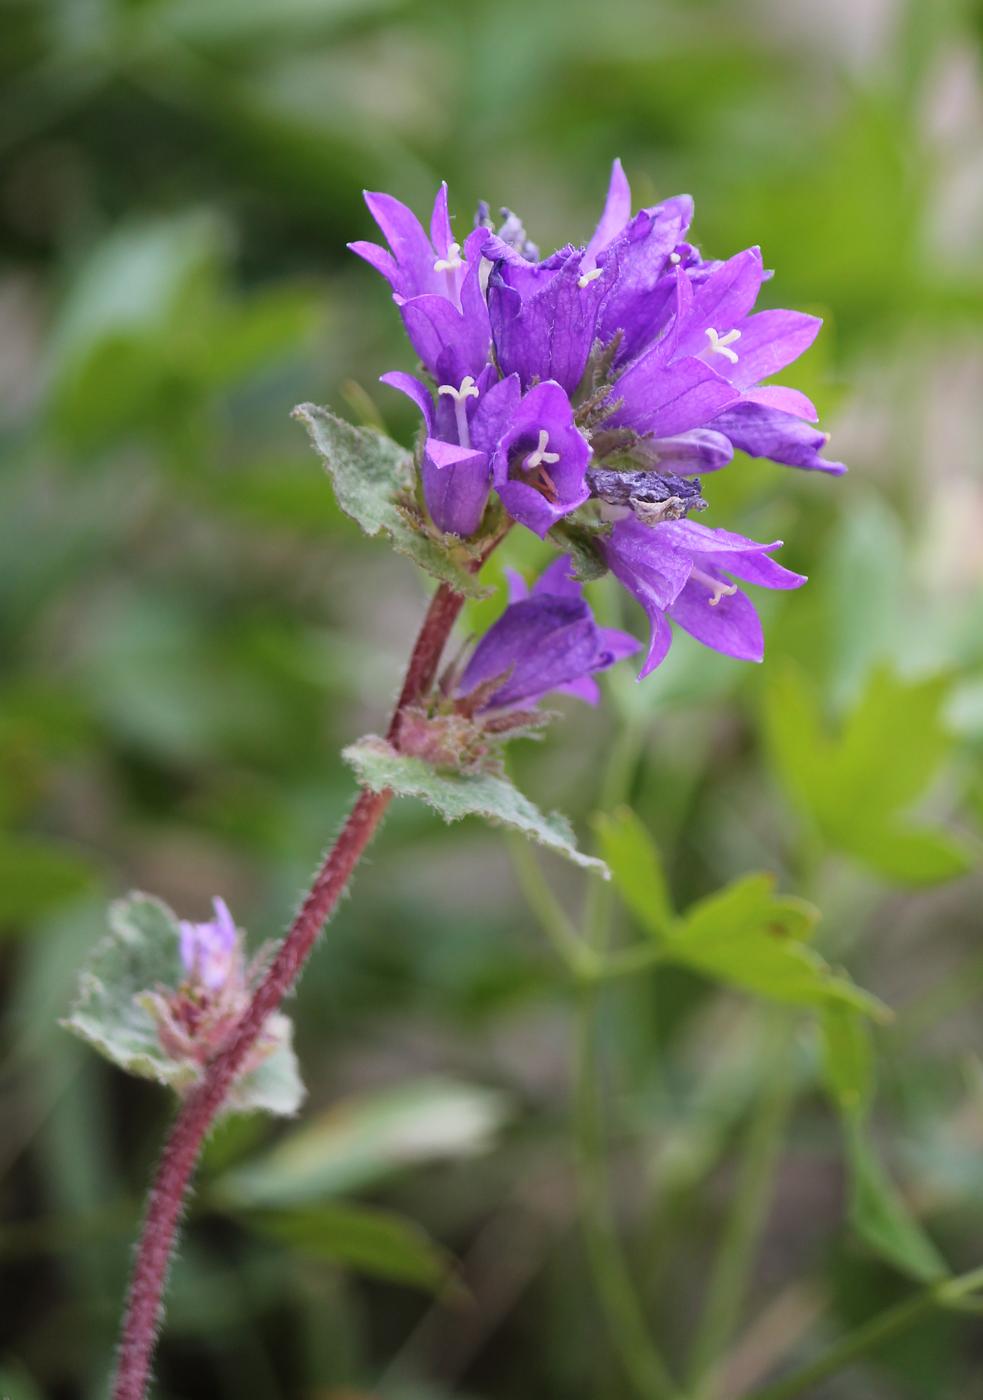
x=912, y=855
x=882, y=1219
x=120, y=336
x=249, y=336
x=751, y=938
x=798, y=747
x=366, y=1139
x=457, y=795
x=855, y=785
x=225, y=22
x=36, y=875
x=376, y=1242
x=16, y=1384
x=848, y=1057
x=636, y=869
x=370, y=473
x=141, y=954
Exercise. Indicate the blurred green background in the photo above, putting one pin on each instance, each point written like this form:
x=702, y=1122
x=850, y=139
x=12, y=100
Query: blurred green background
x=191, y=631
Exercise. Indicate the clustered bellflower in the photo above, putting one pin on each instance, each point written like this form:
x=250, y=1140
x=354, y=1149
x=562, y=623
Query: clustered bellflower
x=595, y=388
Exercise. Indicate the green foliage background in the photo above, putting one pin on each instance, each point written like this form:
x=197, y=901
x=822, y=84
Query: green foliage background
x=190, y=631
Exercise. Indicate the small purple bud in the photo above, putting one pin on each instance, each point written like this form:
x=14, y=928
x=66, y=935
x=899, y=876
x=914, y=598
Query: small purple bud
x=209, y=951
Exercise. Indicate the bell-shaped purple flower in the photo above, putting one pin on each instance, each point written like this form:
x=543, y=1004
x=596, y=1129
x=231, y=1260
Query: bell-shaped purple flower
x=436, y=285
x=540, y=466
x=682, y=570
x=463, y=429
x=543, y=315
x=546, y=640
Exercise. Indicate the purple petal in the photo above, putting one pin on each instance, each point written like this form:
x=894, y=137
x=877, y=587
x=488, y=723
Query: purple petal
x=456, y=484
x=410, y=245
x=699, y=450
x=415, y=390
x=783, y=398
x=542, y=643
x=518, y=589
x=767, y=432
x=617, y=212
x=731, y=625
x=638, y=295
x=441, y=236
x=548, y=333
x=378, y=258
x=558, y=580
x=723, y=300
x=667, y=399
x=770, y=341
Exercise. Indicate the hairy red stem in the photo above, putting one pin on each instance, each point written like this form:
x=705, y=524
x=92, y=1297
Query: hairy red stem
x=165, y=1201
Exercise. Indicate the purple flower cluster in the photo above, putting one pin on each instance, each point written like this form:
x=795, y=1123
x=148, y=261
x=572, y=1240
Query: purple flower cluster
x=594, y=387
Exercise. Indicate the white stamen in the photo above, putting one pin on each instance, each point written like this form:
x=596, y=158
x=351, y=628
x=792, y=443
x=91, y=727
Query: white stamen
x=675, y=258
x=717, y=588
x=540, y=456
x=588, y=277
x=468, y=390
x=719, y=343
x=452, y=261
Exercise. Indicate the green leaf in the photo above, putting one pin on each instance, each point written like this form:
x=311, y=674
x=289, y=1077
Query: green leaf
x=636, y=869
x=750, y=938
x=455, y=795
x=370, y=473
x=376, y=1242
x=362, y=1141
x=882, y=1219
x=798, y=748
x=140, y=954
x=909, y=854
x=36, y=875
x=892, y=742
x=855, y=785
x=848, y=1059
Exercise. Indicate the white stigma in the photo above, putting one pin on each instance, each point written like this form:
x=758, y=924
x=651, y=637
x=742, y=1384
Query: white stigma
x=675, y=258
x=541, y=457
x=720, y=344
x=452, y=261
x=589, y=277
x=468, y=390
x=717, y=589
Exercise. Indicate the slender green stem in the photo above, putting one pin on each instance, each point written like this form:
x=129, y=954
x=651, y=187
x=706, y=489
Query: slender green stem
x=735, y=1258
x=556, y=924
x=616, y=1290
x=950, y=1294
x=615, y=789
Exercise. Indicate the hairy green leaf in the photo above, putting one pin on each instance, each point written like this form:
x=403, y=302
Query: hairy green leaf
x=455, y=795
x=371, y=474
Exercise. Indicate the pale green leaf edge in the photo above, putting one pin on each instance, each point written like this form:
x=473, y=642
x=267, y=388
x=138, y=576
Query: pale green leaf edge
x=455, y=795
